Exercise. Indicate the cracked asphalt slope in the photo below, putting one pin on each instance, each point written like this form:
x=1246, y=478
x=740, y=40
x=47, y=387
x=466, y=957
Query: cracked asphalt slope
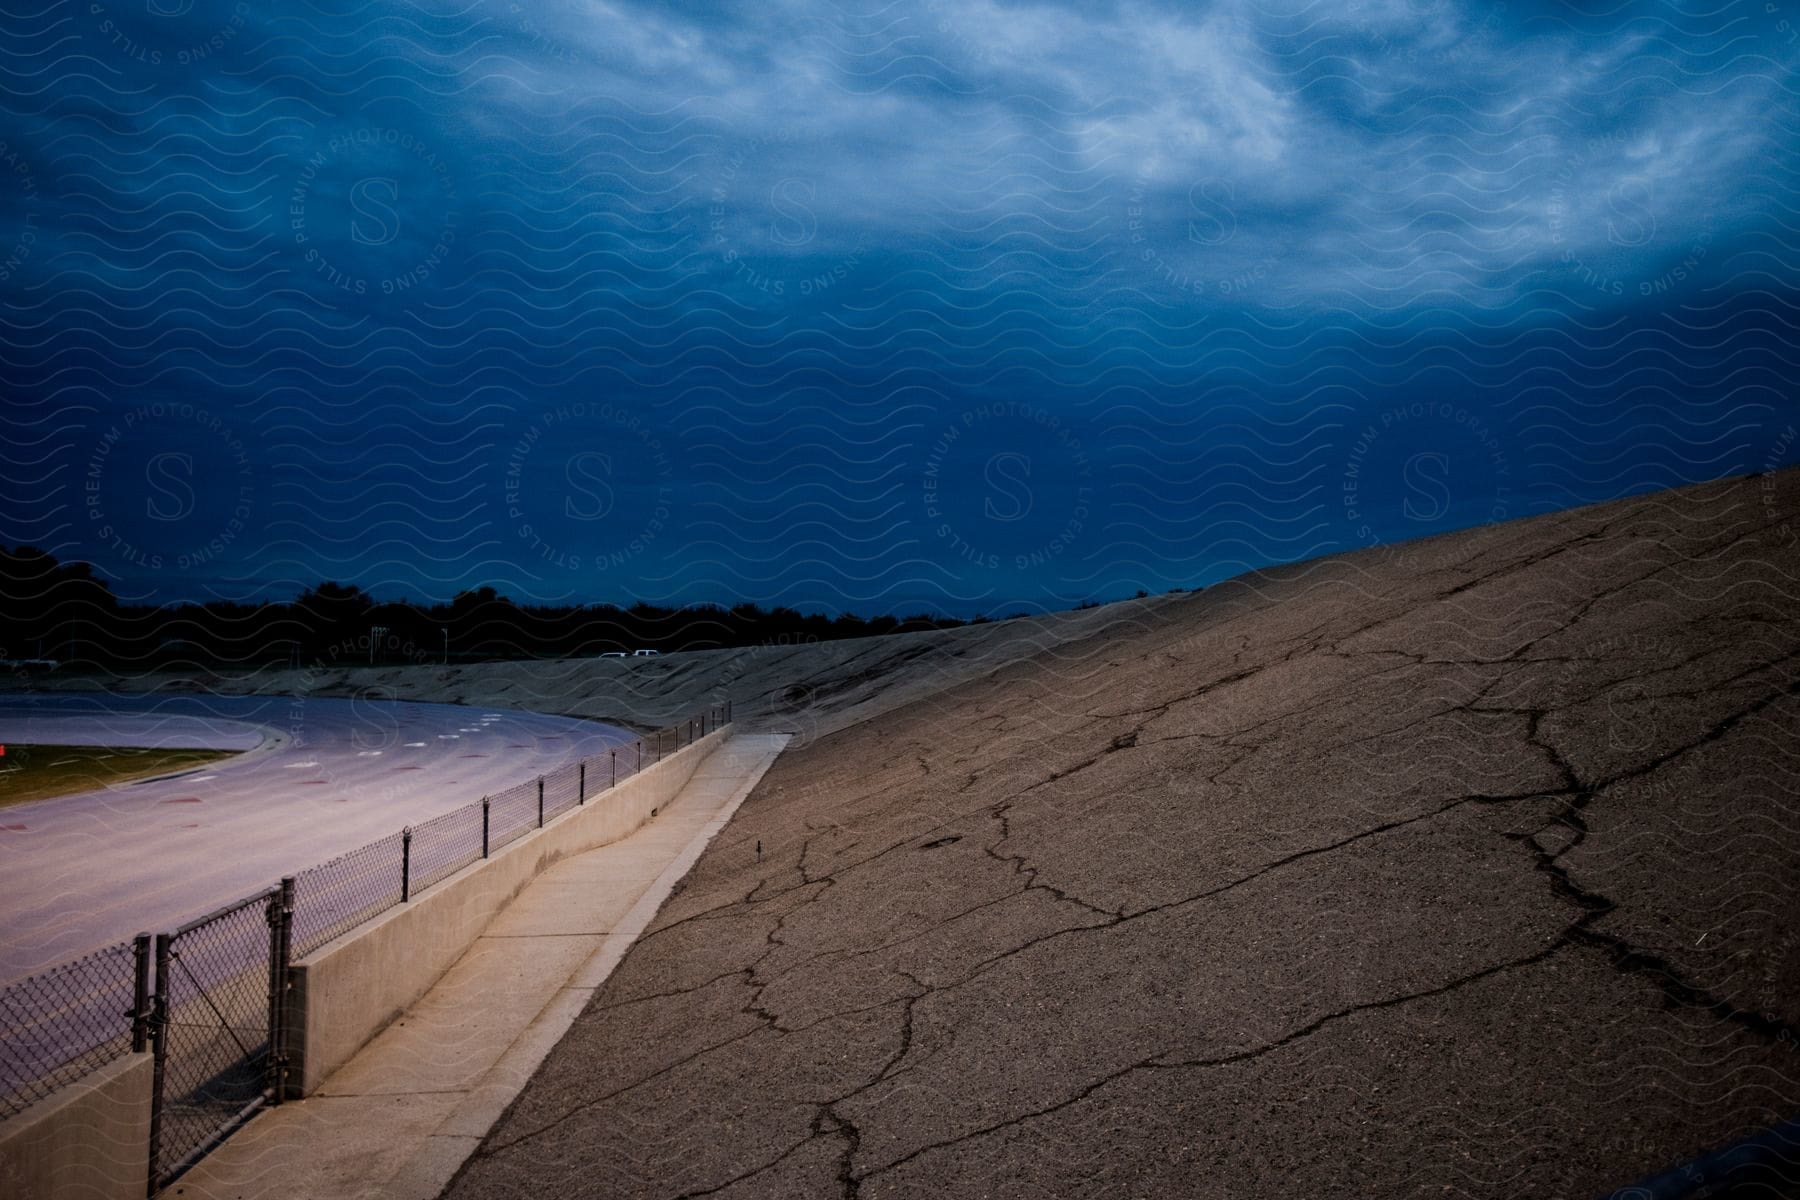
x=1470, y=867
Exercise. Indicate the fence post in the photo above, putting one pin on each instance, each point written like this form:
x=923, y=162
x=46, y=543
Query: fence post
x=581, y=783
x=540, y=801
x=281, y=922
x=640, y=756
x=272, y=917
x=484, y=826
x=287, y=964
x=140, y=1000
x=615, y=768
x=406, y=864
x=159, y=1035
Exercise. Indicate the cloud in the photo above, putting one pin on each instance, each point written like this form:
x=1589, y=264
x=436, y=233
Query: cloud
x=790, y=243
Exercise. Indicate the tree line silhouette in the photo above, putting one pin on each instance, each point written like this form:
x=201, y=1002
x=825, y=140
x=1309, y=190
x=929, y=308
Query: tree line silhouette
x=51, y=610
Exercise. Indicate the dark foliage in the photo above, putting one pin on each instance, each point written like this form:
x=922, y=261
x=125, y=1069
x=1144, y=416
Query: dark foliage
x=61, y=611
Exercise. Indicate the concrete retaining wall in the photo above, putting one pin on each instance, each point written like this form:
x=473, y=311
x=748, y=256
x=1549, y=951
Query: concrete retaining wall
x=91, y=1140
x=350, y=989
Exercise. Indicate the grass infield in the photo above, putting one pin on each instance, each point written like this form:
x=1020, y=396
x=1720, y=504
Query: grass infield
x=30, y=773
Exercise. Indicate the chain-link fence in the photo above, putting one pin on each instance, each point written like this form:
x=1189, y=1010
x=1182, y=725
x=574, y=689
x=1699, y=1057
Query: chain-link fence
x=443, y=846
x=61, y=1024
x=337, y=896
x=215, y=1012
x=343, y=893
x=513, y=814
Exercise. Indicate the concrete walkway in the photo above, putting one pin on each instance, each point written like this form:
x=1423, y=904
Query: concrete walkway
x=400, y=1118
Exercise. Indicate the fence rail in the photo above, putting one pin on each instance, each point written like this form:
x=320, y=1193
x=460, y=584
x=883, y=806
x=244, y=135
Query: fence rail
x=213, y=1012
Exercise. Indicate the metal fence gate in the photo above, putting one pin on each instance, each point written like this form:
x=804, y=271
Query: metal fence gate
x=217, y=1025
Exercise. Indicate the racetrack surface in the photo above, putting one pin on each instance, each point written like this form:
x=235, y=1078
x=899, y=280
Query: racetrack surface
x=320, y=777
x=97, y=721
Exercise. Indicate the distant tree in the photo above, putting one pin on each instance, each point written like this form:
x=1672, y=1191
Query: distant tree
x=54, y=609
x=50, y=609
x=468, y=601
x=334, y=615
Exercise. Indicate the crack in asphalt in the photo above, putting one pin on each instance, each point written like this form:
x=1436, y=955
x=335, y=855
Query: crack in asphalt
x=497, y=1148
x=761, y=1169
x=1157, y=1062
x=1022, y=866
x=846, y=1129
x=1620, y=953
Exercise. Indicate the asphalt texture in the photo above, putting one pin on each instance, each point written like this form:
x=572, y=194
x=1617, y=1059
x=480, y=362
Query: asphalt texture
x=1463, y=868
x=319, y=777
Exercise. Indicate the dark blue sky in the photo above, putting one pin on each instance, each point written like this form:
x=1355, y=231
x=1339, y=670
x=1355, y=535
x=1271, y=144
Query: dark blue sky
x=971, y=306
